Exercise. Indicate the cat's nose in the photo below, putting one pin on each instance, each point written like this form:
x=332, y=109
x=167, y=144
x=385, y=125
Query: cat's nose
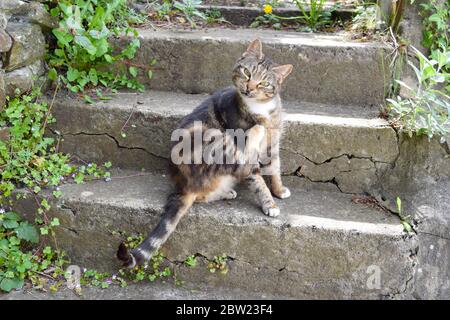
x=251, y=85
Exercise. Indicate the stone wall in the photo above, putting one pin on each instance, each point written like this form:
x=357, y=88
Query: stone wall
x=22, y=45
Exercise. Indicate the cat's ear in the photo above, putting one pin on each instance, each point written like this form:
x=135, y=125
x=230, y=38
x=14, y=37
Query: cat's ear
x=255, y=48
x=282, y=71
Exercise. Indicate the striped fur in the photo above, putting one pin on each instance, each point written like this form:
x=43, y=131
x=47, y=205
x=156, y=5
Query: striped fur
x=253, y=104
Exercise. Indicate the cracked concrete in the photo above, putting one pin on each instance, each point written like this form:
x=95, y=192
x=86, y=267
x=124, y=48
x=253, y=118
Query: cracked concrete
x=350, y=152
x=322, y=243
x=348, y=149
x=420, y=176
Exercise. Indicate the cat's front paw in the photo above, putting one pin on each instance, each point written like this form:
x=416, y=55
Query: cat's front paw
x=272, y=211
x=283, y=193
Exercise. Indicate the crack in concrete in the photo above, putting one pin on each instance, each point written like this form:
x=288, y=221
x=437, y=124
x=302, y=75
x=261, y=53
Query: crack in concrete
x=433, y=235
x=328, y=160
x=332, y=181
x=115, y=140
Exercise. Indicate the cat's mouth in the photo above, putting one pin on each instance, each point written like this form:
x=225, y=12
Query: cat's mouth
x=248, y=94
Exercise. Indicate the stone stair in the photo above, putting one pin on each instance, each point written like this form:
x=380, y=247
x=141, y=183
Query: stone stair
x=323, y=245
x=343, y=144
x=328, y=68
x=326, y=243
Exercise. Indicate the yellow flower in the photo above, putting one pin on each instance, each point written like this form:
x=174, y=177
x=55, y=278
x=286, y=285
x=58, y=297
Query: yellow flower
x=267, y=9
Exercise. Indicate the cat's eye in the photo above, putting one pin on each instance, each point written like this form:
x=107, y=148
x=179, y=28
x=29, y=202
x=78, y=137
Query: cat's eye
x=246, y=72
x=266, y=85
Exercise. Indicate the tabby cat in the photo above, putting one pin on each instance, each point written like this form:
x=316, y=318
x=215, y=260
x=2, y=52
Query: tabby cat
x=252, y=105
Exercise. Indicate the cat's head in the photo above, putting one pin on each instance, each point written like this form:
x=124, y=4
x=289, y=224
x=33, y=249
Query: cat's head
x=256, y=76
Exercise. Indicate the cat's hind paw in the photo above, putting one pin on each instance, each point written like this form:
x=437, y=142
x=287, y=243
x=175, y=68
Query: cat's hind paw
x=230, y=194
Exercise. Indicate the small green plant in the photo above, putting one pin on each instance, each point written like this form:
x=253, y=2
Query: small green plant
x=426, y=109
x=191, y=261
x=29, y=161
x=18, y=262
x=219, y=263
x=214, y=16
x=267, y=20
x=365, y=18
x=313, y=14
x=405, y=220
x=436, y=17
x=83, y=51
x=182, y=11
x=189, y=10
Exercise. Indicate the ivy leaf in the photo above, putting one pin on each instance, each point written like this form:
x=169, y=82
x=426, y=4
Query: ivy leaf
x=44, y=230
x=7, y=284
x=72, y=74
x=55, y=222
x=27, y=232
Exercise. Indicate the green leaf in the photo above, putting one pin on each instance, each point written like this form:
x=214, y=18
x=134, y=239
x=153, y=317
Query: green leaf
x=27, y=232
x=52, y=74
x=407, y=226
x=12, y=216
x=63, y=37
x=7, y=284
x=54, y=11
x=10, y=224
x=133, y=71
x=108, y=58
x=55, y=222
x=399, y=205
x=72, y=74
x=88, y=99
x=93, y=76
x=150, y=74
x=86, y=44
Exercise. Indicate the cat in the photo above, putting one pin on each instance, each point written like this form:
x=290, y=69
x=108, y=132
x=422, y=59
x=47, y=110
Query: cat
x=253, y=104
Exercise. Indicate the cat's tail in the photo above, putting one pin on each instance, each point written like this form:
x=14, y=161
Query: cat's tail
x=177, y=205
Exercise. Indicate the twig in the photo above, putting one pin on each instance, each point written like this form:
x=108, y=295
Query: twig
x=50, y=108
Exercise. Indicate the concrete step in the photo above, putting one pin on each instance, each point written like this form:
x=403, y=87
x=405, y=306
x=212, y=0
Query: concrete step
x=281, y=4
x=142, y=291
x=348, y=146
x=244, y=16
x=323, y=245
x=328, y=68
